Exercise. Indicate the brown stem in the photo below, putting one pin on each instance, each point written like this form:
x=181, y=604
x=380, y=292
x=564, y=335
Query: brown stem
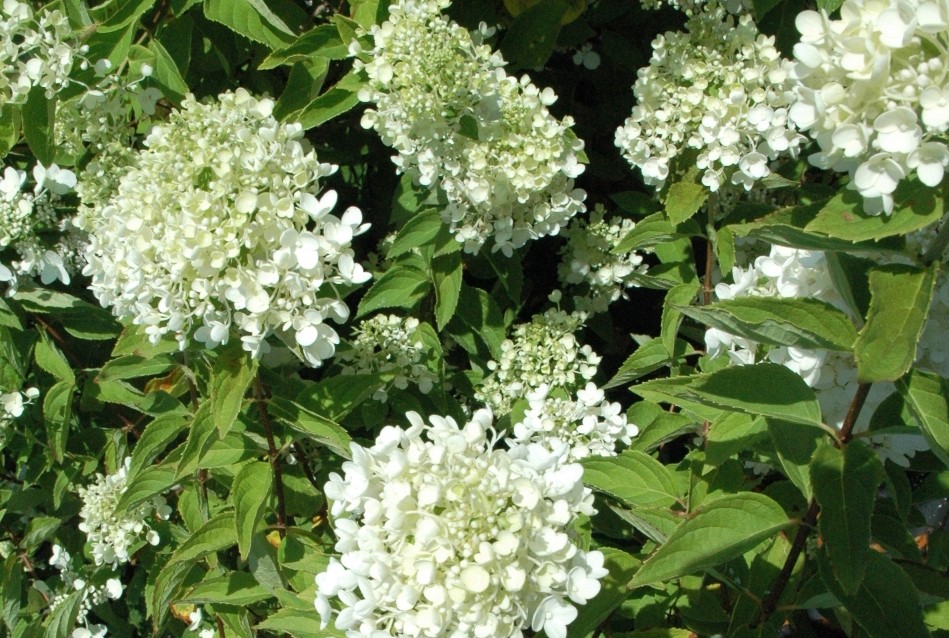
x=220, y=627
x=850, y=420
x=274, y=456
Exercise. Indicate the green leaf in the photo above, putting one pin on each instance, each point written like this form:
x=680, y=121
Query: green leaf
x=676, y=298
x=366, y=13
x=717, y=532
x=613, y=592
x=127, y=13
x=652, y=231
x=151, y=481
x=685, y=198
x=201, y=434
x=647, y=358
x=768, y=389
x=133, y=367
x=342, y=97
x=156, y=436
x=220, y=532
x=731, y=434
x=230, y=379
x=62, y=619
x=251, y=19
x=335, y=397
x=447, y=272
x=322, y=41
x=795, y=445
x=845, y=486
x=418, y=231
x=657, y=426
x=798, y=323
x=320, y=429
x=899, y=303
x=399, y=287
x=57, y=415
x=234, y=588
x=915, y=206
x=39, y=113
x=829, y=6
x=299, y=624
x=477, y=320
x=11, y=582
x=927, y=396
x=250, y=492
x=9, y=128
x=52, y=360
x=166, y=72
x=633, y=477
x=532, y=35
x=885, y=605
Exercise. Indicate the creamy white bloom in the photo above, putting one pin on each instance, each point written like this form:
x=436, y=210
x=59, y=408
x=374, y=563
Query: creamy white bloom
x=442, y=100
x=441, y=534
x=217, y=225
x=719, y=88
x=587, y=260
x=14, y=402
x=542, y=352
x=872, y=89
x=389, y=344
x=112, y=533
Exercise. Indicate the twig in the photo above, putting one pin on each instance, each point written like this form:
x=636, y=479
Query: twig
x=850, y=420
x=274, y=456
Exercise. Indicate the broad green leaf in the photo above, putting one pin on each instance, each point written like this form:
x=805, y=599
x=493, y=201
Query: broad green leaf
x=299, y=624
x=829, y=6
x=57, y=416
x=717, y=532
x=9, y=128
x=232, y=375
x=149, y=482
x=574, y=8
x=399, y=287
x=418, y=231
x=303, y=86
x=320, y=429
x=731, y=434
x=39, y=113
x=335, y=397
x=369, y=12
x=250, y=492
x=62, y=619
x=845, y=485
x=11, y=581
x=166, y=583
x=647, y=358
x=155, y=438
x=134, y=341
x=885, y=605
x=533, y=34
x=798, y=323
x=685, y=198
x=477, y=320
x=927, y=396
x=657, y=426
x=850, y=276
x=218, y=533
x=338, y=99
x=201, y=434
x=166, y=72
x=899, y=302
x=795, y=445
x=633, y=477
x=234, y=588
x=322, y=41
x=446, y=271
x=613, y=592
x=652, y=231
x=52, y=360
x=655, y=523
x=676, y=298
x=251, y=19
x=127, y=13
x=133, y=367
x=915, y=205
x=768, y=389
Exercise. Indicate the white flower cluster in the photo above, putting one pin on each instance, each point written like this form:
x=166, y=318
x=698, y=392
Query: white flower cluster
x=389, y=344
x=873, y=90
x=14, y=402
x=91, y=595
x=112, y=533
x=794, y=273
x=459, y=122
x=542, y=352
x=588, y=425
x=719, y=89
x=216, y=225
x=442, y=535
x=587, y=259
x=29, y=219
x=35, y=51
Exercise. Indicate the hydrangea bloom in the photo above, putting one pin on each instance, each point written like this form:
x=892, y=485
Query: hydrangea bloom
x=588, y=424
x=217, y=225
x=90, y=594
x=441, y=99
x=389, y=344
x=872, y=89
x=719, y=88
x=444, y=535
x=542, y=352
x=112, y=534
x=36, y=50
x=587, y=260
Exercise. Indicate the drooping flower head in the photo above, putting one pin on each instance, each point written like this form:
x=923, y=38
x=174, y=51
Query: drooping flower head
x=443, y=535
x=217, y=225
x=113, y=533
x=719, y=89
x=441, y=99
x=873, y=90
x=542, y=352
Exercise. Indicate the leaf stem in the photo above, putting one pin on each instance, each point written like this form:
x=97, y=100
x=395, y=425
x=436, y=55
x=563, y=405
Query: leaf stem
x=274, y=454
